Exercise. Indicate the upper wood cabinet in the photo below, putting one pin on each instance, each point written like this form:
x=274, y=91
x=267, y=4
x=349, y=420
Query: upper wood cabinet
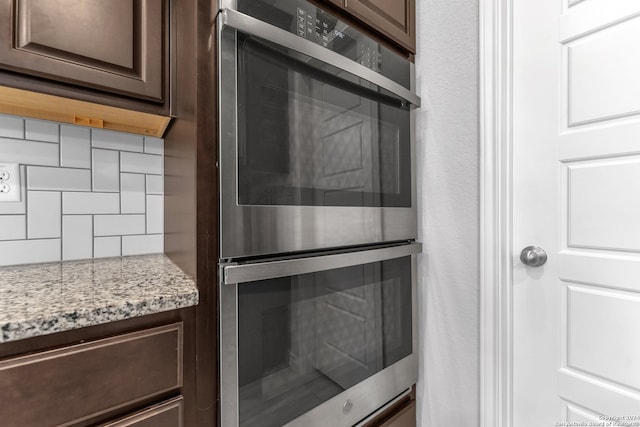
x=117, y=46
x=395, y=19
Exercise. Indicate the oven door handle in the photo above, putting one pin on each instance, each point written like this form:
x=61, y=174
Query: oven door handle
x=251, y=272
x=254, y=27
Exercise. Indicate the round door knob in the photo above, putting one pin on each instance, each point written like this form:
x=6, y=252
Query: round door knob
x=533, y=256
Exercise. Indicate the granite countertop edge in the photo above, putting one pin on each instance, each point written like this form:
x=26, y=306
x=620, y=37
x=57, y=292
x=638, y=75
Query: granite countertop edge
x=42, y=299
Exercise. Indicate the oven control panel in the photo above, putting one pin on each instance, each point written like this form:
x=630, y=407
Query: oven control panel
x=310, y=22
x=322, y=28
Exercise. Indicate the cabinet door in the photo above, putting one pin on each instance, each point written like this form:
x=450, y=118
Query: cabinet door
x=117, y=45
x=395, y=19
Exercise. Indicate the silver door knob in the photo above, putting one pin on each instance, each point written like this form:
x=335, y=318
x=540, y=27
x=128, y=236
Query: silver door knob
x=533, y=256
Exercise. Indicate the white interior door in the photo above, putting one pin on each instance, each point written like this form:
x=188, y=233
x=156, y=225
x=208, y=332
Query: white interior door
x=576, y=194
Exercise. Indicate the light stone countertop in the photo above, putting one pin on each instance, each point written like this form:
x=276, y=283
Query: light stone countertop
x=41, y=299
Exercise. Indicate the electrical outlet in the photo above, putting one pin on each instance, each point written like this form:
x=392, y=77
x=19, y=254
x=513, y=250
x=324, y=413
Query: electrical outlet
x=10, y=190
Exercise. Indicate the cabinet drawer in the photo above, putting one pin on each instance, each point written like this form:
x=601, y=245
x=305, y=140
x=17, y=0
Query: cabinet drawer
x=68, y=385
x=406, y=417
x=167, y=414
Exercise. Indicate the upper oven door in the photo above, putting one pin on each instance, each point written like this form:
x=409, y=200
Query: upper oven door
x=315, y=149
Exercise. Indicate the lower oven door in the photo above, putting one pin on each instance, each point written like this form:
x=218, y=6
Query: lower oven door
x=317, y=341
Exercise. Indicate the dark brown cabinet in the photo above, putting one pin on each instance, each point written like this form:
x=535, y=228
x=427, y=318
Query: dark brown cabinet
x=165, y=414
x=405, y=417
x=129, y=379
x=394, y=19
x=400, y=414
x=115, y=46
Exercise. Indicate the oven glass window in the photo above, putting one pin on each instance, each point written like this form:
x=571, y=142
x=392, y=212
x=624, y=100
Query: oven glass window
x=304, y=339
x=312, y=135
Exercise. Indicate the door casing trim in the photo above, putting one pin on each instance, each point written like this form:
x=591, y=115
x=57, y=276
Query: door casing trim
x=496, y=321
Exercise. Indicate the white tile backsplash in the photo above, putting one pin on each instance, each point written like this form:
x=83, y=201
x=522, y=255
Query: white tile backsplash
x=86, y=193
x=77, y=237
x=153, y=145
x=155, y=184
x=11, y=127
x=75, y=203
x=38, y=130
x=13, y=227
x=75, y=147
x=110, y=225
x=29, y=251
x=132, y=192
x=140, y=245
x=29, y=152
x=116, y=140
x=141, y=163
x=43, y=214
x=106, y=170
x=155, y=215
x=58, y=179
x=104, y=247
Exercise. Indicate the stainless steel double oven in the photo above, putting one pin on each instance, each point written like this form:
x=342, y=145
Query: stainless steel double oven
x=318, y=218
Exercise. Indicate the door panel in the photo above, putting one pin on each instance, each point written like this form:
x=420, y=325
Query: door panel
x=576, y=194
x=598, y=329
x=602, y=60
x=92, y=22
x=602, y=211
x=603, y=269
x=118, y=46
x=596, y=397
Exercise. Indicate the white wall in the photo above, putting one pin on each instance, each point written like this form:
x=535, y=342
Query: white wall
x=447, y=139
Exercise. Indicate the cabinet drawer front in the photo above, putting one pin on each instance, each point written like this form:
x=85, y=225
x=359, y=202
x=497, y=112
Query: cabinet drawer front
x=168, y=414
x=71, y=384
x=406, y=417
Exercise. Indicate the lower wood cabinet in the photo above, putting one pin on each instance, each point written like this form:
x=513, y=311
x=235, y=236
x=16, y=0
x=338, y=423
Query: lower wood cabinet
x=166, y=414
x=79, y=383
x=404, y=417
x=401, y=413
